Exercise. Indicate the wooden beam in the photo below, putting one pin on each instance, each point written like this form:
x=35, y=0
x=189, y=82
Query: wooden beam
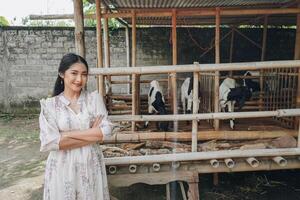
x=263, y=55
x=174, y=62
x=217, y=73
x=79, y=28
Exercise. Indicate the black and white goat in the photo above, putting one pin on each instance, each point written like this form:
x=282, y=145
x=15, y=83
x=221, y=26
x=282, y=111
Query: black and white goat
x=187, y=95
x=156, y=104
x=230, y=93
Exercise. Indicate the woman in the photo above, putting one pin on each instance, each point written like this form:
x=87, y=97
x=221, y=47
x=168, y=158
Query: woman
x=72, y=121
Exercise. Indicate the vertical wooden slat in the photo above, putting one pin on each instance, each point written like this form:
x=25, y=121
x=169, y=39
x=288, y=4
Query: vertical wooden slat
x=174, y=62
x=79, y=28
x=133, y=60
x=195, y=111
x=99, y=46
x=217, y=73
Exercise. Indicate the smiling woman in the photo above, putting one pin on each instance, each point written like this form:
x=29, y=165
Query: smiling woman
x=71, y=123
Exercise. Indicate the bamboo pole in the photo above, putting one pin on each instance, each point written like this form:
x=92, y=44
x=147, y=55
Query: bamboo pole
x=195, y=156
x=127, y=55
x=107, y=56
x=174, y=62
x=195, y=111
x=99, y=47
x=194, y=67
x=201, y=136
x=204, y=116
x=133, y=59
x=79, y=28
x=217, y=73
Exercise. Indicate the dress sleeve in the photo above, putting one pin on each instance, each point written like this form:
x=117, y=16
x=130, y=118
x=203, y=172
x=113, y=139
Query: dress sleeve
x=49, y=132
x=106, y=126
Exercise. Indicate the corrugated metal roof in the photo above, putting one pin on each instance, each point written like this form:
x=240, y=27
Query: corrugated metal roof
x=120, y=4
x=126, y=5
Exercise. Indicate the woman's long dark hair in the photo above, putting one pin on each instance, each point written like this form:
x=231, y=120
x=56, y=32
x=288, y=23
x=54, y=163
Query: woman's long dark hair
x=66, y=62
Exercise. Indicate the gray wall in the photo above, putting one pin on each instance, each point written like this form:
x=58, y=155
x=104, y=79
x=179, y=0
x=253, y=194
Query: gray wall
x=30, y=57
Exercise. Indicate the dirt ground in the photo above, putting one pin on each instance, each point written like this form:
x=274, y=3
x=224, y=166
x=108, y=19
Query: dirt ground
x=22, y=168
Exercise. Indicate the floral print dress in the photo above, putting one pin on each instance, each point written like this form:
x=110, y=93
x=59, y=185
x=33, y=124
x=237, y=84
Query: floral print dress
x=77, y=173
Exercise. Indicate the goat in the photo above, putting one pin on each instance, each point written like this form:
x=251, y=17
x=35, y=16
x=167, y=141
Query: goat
x=156, y=104
x=187, y=95
x=230, y=93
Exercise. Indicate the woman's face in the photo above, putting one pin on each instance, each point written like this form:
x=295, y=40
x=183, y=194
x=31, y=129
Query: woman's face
x=75, y=77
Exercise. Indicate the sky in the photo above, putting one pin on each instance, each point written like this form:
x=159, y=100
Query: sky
x=19, y=9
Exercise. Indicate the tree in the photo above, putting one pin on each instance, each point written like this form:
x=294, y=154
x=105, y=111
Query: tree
x=3, y=21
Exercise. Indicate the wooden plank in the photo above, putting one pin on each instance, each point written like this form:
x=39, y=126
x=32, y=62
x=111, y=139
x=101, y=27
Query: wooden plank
x=125, y=180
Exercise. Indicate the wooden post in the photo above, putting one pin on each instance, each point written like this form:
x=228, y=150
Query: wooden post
x=99, y=46
x=217, y=78
x=263, y=54
x=217, y=60
x=195, y=111
x=173, y=75
x=79, y=28
x=193, y=193
x=297, y=57
x=134, y=76
x=107, y=55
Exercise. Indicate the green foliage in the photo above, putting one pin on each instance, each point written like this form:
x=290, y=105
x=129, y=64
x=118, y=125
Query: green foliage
x=63, y=23
x=89, y=8
x=3, y=21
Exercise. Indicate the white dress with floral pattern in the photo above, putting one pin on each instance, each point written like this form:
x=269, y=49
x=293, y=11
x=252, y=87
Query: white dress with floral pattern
x=76, y=173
